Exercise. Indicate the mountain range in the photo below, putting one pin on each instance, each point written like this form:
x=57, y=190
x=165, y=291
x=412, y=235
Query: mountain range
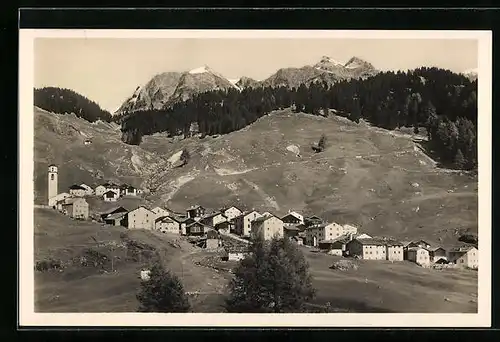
x=167, y=88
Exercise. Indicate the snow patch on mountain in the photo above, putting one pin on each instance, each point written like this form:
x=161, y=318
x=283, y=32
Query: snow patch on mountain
x=200, y=70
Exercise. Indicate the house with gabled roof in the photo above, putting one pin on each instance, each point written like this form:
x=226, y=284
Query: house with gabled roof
x=223, y=227
x=167, y=224
x=369, y=249
x=195, y=211
x=437, y=254
x=110, y=196
x=76, y=208
x=160, y=212
x=128, y=190
x=77, y=190
x=140, y=218
x=116, y=219
x=464, y=256
x=88, y=189
x=231, y=212
x=213, y=218
x=419, y=255
x=242, y=223
x=196, y=229
x=292, y=219
x=267, y=227
x=113, y=210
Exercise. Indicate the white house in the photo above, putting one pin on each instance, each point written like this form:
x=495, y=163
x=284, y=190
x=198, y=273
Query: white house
x=242, y=223
x=88, y=189
x=140, y=218
x=326, y=231
x=419, y=255
x=110, y=196
x=464, y=257
x=292, y=219
x=369, y=249
x=53, y=200
x=167, y=224
x=128, y=190
x=349, y=229
x=231, y=212
x=76, y=208
x=267, y=227
x=213, y=219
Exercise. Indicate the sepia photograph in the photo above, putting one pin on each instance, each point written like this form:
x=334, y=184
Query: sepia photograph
x=255, y=172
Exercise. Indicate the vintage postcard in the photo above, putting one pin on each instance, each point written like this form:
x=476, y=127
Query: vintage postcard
x=255, y=178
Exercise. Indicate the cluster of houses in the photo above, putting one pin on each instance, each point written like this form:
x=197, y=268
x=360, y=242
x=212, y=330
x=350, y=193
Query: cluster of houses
x=108, y=191
x=206, y=227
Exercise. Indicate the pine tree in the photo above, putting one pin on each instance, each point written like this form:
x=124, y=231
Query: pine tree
x=459, y=160
x=274, y=278
x=185, y=156
x=162, y=292
x=322, y=143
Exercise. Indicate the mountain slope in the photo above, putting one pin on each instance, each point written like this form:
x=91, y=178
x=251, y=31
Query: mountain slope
x=153, y=95
x=326, y=70
x=169, y=87
x=247, y=82
x=59, y=139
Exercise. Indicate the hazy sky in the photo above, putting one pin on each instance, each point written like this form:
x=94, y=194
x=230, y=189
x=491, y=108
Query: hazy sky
x=107, y=71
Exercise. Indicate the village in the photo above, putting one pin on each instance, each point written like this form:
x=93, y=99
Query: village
x=205, y=228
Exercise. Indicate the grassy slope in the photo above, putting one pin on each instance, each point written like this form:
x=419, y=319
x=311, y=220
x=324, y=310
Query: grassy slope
x=364, y=176
x=86, y=289
x=60, y=139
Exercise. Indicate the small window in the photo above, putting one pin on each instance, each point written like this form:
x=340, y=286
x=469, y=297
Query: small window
x=52, y=177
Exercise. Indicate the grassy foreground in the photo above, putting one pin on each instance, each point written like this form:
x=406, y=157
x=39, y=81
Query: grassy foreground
x=376, y=286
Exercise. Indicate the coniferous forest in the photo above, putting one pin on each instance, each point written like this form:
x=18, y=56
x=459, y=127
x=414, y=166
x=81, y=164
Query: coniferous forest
x=61, y=100
x=443, y=102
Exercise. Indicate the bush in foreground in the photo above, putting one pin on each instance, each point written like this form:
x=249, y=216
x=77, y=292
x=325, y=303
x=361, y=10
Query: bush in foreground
x=274, y=278
x=162, y=292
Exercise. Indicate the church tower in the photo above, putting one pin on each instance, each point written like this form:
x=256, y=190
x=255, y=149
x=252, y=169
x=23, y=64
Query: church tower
x=52, y=186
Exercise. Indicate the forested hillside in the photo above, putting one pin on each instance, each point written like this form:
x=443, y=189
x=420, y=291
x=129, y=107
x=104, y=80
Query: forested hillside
x=443, y=102
x=62, y=101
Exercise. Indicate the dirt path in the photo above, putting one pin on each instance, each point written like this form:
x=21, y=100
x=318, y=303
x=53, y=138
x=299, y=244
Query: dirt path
x=195, y=278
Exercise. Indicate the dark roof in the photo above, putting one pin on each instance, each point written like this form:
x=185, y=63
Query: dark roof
x=77, y=187
x=52, y=165
x=165, y=218
x=115, y=216
x=314, y=217
x=114, y=210
x=222, y=223
x=290, y=215
x=110, y=191
x=291, y=228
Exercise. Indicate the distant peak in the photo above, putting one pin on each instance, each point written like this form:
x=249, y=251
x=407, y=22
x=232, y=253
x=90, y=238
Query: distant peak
x=356, y=62
x=326, y=59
